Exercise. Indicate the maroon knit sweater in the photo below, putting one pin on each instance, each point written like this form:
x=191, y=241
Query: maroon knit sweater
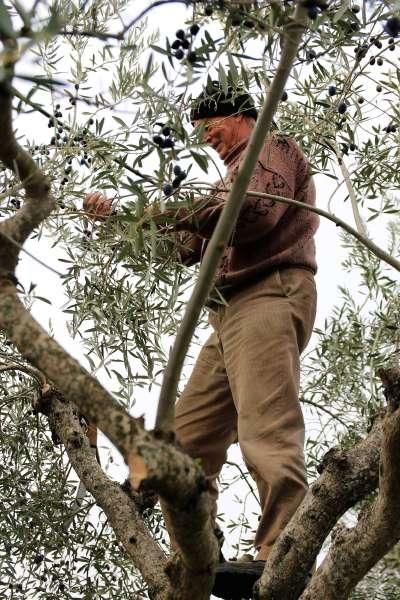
x=268, y=234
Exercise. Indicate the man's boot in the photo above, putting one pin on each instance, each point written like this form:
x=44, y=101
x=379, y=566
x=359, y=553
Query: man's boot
x=219, y=534
x=234, y=580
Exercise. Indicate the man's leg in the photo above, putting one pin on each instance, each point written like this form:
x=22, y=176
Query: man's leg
x=206, y=418
x=264, y=330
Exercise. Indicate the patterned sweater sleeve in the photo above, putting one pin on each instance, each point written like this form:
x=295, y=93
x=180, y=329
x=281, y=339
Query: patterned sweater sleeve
x=285, y=173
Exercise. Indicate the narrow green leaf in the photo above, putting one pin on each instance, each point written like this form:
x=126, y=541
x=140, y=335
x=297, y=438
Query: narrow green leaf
x=201, y=161
x=6, y=27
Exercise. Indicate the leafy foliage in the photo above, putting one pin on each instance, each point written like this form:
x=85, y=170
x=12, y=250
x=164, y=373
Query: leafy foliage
x=99, y=102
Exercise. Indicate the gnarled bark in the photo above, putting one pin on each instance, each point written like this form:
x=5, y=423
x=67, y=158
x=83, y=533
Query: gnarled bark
x=355, y=551
x=347, y=476
x=119, y=508
x=172, y=474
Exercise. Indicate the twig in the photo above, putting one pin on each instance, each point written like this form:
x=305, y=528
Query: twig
x=93, y=34
x=243, y=476
x=292, y=32
x=35, y=258
x=120, y=36
x=325, y=410
x=379, y=252
x=149, y=8
x=31, y=371
x=354, y=205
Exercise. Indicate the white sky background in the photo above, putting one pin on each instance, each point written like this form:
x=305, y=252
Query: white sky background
x=329, y=256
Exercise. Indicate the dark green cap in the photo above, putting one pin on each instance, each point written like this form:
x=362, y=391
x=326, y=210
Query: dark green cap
x=214, y=102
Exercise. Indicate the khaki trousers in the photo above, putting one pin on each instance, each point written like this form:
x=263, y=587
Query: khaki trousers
x=244, y=387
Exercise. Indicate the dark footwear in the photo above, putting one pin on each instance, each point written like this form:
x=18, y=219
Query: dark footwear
x=235, y=580
x=221, y=538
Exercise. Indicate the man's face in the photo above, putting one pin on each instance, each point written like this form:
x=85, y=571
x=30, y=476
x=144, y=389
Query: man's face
x=221, y=133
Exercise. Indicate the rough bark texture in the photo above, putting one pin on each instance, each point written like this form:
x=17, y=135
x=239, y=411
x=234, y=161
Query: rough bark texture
x=355, y=551
x=119, y=508
x=347, y=476
x=158, y=465
x=172, y=474
x=39, y=201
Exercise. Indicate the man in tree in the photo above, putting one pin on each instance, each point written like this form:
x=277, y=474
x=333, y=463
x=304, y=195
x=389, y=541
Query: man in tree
x=244, y=386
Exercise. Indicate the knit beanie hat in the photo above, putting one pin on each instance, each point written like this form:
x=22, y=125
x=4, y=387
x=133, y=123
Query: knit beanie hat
x=214, y=102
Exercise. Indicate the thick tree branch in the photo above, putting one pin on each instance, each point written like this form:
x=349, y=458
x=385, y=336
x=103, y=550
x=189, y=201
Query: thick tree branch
x=156, y=463
x=347, y=476
x=292, y=34
x=39, y=202
x=120, y=510
x=355, y=551
x=161, y=463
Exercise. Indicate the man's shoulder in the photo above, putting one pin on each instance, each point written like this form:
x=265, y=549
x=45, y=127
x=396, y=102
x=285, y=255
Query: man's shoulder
x=282, y=146
x=281, y=139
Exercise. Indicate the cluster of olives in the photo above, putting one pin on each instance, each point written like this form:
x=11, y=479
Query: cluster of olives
x=390, y=128
x=180, y=175
x=42, y=150
x=15, y=202
x=361, y=51
x=314, y=7
x=347, y=147
x=59, y=130
x=241, y=16
x=72, y=100
x=392, y=26
x=83, y=159
x=182, y=43
x=164, y=140
x=342, y=106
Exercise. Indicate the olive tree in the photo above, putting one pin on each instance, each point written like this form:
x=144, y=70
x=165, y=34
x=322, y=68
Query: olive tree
x=113, y=98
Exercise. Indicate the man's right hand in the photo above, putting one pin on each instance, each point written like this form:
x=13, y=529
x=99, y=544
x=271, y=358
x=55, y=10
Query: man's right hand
x=97, y=206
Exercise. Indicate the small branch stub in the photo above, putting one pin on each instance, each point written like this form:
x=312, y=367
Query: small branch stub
x=137, y=470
